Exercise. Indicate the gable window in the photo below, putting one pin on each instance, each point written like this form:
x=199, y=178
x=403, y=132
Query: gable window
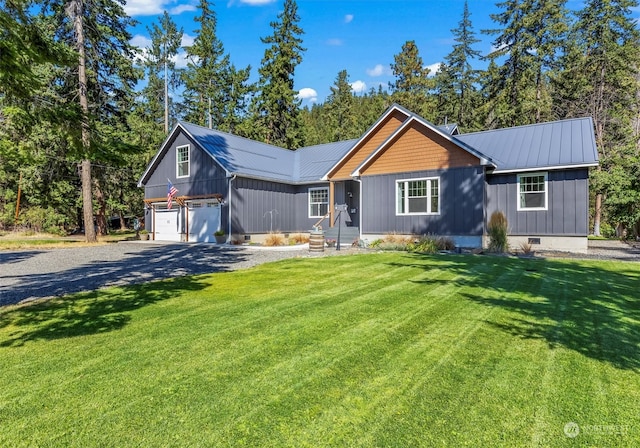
x=533, y=191
x=418, y=196
x=318, y=202
x=182, y=158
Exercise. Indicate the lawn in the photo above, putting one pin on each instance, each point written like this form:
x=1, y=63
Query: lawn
x=380, y=349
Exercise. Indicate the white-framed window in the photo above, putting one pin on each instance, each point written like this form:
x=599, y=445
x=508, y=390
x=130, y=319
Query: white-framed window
x=318, y=202
x=418, y=196
x=533, y=191
x=182, y=161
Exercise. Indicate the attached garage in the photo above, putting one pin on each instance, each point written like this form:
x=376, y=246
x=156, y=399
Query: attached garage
x=203, y=218
x=167, y=224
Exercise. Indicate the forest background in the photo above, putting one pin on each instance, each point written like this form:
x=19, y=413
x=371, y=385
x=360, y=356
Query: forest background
x=78, y=127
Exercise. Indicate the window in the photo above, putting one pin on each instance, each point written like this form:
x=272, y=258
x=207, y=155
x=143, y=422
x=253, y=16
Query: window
x=418, y=196
x=318, y=202
x=182, y=158
x=532, y=189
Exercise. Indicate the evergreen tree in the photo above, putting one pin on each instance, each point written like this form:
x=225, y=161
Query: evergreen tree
x=514, y=44
x=341, y=109
x=160, y=68
x=412, y=86
x=102, y=83
x=599, y=79
x=215, y=91
x=456, y=80
x=275, y=110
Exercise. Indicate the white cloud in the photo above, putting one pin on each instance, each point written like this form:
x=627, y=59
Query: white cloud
x=140, y=41
x=433, y=68
x=348, y=18
x=308, y=93
x=180, y=59
x=187, y=40
x=334, y=42
x=358, y=86
x=182, y=8
x=156, y=7
x=378, y=70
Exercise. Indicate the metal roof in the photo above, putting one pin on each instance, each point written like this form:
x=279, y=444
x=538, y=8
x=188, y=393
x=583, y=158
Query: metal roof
x=553, y=145
x=242, y=156
x=557, y=144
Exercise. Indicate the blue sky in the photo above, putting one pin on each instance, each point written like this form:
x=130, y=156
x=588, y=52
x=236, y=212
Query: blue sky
x=359, y=36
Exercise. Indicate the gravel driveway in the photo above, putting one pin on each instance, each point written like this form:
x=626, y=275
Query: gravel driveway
x=35, y=274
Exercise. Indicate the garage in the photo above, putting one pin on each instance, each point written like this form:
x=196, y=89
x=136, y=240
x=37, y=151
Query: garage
x=166, y=224
x=203, y=220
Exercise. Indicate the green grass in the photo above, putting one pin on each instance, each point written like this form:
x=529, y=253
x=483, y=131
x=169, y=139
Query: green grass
x=384, y=349
x=18, y=241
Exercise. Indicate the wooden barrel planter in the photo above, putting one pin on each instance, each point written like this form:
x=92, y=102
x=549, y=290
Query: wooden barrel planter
x=316, y=241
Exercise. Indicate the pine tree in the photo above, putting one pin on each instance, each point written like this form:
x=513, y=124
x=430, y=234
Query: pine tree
x=215, y=92
x=412, y=86
x=457, y=79
x=160, y=67
x=341, y=109
x=101, y=84
x=599, y=79
x=275, y=110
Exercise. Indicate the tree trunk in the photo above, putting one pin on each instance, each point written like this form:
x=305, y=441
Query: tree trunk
x=75, y=12
x=597, y=214
x=101, y=216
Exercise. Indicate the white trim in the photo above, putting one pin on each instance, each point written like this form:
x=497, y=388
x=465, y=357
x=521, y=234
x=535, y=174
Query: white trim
x=390, y=110
x=545, y=168
x=428, y=187
x=484, y=160
x=309, y=190
x=178, y=148
x=520, y=208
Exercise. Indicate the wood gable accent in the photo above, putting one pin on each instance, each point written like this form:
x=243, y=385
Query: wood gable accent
x=417, y=148
x=363, y=149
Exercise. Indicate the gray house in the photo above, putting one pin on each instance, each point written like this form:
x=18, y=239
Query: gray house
x=404, y=175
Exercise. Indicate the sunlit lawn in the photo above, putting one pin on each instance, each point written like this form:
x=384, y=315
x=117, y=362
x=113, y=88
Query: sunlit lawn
x=368, y=350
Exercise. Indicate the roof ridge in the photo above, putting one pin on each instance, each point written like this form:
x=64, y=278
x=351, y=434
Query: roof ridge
x=544, y=123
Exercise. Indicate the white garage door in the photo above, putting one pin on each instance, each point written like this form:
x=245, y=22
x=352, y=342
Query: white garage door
x=204, y=219
x=166, y=225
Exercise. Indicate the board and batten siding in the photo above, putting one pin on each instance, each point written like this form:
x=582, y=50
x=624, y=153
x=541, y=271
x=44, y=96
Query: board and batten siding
x=461, y=198
x=205, y=175
x=255, y=203
x=567, y=213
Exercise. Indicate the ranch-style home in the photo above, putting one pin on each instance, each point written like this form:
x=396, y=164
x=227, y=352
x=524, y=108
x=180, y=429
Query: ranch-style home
x=404, y=175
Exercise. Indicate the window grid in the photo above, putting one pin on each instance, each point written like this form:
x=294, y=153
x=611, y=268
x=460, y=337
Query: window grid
x=182, y=157
x=318, y=202
x=418, y=196
x=532, y=192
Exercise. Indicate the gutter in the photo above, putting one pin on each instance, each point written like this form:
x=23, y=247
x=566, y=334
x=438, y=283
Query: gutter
x=231, y=179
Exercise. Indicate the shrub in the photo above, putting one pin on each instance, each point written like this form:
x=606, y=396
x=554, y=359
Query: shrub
x=298, y=238
x=39, y=219
x=497, y=230
x=425, y=245
x=445, y=243
x=274, y=239
x=526, y=248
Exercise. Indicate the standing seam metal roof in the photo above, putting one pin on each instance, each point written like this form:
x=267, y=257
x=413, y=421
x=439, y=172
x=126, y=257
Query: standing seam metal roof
x=555, y=144
x=550, y=145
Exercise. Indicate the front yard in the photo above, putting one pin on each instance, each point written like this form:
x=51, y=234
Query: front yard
x=380, y=349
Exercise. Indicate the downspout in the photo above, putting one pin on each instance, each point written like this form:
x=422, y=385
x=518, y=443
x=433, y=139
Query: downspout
x=231, y=179
x=361, y=223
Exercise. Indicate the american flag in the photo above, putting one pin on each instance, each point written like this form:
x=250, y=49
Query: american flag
x=171, y=192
